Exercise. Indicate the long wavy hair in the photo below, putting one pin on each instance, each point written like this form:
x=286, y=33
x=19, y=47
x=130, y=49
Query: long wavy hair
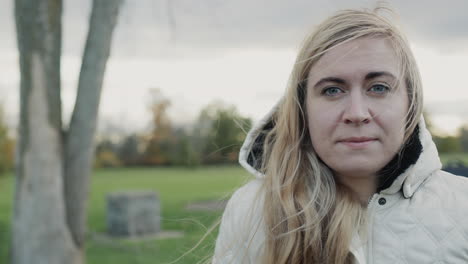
x=309, y=216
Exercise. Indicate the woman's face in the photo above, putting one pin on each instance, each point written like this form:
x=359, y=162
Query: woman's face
x=356, y=107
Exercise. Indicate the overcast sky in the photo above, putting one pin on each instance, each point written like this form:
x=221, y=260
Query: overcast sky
x=237, y=51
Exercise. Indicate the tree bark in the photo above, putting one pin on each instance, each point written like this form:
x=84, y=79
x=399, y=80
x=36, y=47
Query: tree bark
x=79, y=141
x=52, y=171
x=40, y=233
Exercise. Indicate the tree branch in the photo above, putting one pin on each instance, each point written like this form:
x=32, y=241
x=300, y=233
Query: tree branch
x=80, y=137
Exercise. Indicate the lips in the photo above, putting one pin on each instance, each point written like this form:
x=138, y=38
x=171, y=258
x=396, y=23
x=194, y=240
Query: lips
x=357, y=142
x=357, y=139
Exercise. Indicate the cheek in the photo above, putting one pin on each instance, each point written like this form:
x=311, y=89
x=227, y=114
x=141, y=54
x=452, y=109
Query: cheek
x=393, y=124
x=396, y=128
x=391, y=114
x=320, y=124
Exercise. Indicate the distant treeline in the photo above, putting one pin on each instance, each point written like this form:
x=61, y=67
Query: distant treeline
x=453, y=144
x=214, y=138
x=449, y=144
x=7, y=145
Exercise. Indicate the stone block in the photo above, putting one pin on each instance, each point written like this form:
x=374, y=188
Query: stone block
x=134, y=213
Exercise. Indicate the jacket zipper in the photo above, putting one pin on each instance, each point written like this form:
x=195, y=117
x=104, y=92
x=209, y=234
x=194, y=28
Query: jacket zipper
x=370, y=226
x=372, y=198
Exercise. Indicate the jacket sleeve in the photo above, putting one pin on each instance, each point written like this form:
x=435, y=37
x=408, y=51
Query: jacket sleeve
x=241, y=236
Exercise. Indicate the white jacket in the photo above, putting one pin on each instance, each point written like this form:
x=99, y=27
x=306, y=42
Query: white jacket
x=420, y=216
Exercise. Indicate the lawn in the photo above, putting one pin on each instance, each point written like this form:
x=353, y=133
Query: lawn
x=176, y=188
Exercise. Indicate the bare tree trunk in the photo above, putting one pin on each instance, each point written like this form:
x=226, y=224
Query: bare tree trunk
x=79, y=141
x=40, y=233
x=53, y=172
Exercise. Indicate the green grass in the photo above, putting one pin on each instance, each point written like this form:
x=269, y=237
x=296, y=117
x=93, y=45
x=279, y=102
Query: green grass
x=6, y=196
x=176, y=188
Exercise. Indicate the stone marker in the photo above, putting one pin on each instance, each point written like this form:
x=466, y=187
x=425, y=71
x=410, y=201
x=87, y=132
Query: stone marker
x=131, y=214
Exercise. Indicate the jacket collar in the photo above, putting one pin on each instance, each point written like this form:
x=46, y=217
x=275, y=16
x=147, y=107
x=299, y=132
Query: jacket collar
x=407, y=170
x=424, y=161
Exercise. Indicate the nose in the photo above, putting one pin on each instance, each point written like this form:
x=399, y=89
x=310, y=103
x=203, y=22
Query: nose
x=357, y=111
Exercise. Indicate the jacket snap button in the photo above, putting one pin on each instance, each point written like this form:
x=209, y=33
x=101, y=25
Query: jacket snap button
x=382, y=201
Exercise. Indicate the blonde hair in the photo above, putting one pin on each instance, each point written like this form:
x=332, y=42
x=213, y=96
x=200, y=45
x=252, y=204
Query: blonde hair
x=310, y=217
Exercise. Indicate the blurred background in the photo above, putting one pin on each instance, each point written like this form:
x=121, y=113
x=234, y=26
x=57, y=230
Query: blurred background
x=184, y=82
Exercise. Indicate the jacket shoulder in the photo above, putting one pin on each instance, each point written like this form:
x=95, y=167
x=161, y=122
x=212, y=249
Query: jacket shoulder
x=446, y=181
x=448, y=191
x=432, y=223
x=241, y=234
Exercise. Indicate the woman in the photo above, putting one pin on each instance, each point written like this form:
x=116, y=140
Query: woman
x=346, y=171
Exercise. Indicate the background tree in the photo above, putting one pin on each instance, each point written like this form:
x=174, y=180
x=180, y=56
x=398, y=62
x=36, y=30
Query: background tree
x=107, y=154
x=183, y=149
x=221, y=130
x=129, y=150
x=447, y=144
x=53, y=163
x=160, y=142
x=6, y=145
x=463, y=134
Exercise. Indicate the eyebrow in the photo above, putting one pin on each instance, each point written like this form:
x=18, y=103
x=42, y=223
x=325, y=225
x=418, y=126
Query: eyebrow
x=370, y=75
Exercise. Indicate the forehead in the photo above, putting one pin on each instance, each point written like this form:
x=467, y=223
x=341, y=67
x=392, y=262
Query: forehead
x=356, y=58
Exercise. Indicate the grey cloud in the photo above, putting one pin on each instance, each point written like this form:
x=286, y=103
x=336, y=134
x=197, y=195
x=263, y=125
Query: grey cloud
x=7, y=30
x=216, y=24
x=179, y=27
x=457, y=108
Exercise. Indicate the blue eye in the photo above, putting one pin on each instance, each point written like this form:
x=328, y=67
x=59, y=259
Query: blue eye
x=379, y=89
x=331, y=91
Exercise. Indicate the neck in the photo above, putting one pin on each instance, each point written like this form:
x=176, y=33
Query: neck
x=363, y=186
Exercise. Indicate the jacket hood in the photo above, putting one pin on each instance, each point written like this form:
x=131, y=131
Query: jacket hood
x=418, y=160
